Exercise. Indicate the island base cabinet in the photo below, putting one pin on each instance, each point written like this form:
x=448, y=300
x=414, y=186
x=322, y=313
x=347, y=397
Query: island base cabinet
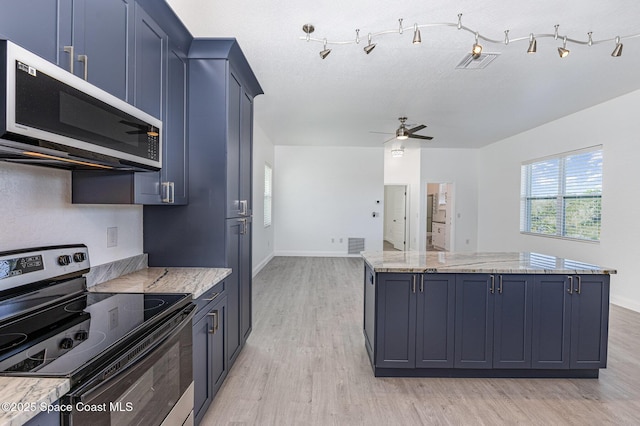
x=485, y=325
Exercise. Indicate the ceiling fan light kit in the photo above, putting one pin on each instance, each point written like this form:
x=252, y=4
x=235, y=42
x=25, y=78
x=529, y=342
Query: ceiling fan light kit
x=477, y=47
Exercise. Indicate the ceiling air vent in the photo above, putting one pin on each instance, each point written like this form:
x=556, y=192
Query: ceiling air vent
x=469, y=63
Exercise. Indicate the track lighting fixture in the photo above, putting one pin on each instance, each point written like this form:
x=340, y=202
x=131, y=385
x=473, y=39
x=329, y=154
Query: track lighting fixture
x=476, y=50
x=416, y=35
x=477, y=47
x=369, y=47
x=563, y=51
x=325, y=52
x=618, y=49
x=533, y=44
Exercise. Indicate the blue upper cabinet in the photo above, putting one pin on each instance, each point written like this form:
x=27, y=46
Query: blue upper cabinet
x=91, y=38
x=150, y=64
x=103, y=43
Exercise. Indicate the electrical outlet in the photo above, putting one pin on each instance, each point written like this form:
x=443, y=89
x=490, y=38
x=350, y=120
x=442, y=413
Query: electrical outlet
x=113, y=318
x=112, y=236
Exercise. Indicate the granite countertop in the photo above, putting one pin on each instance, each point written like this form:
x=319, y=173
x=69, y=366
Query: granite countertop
x=165, y=280
x=470, y=262
x=23, y=398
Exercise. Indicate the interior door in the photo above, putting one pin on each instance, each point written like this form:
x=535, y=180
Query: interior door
x=397, y=200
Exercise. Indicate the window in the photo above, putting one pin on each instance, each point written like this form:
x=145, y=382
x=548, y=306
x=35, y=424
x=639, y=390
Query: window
x=268, y=194
x=561, y=196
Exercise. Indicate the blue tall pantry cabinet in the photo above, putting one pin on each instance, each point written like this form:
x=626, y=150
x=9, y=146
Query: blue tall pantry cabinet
x=214, y=228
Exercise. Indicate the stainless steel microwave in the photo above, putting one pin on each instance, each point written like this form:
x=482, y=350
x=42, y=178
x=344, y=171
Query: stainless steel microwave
x=51, y=117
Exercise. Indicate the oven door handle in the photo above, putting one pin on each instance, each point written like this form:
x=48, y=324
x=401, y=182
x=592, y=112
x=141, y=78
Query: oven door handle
x=99, y=383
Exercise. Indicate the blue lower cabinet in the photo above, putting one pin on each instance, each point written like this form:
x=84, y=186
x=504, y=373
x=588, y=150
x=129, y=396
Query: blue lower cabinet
x=414, y=327
x=45, y=418
x=486, y=325
x=570, y=321
x=209, y=350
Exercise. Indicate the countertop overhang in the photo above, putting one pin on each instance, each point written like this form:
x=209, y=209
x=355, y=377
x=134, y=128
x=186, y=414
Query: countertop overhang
x=478, y=262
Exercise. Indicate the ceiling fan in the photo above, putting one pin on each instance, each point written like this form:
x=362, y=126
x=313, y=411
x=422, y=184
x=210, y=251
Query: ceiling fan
x=403, y=132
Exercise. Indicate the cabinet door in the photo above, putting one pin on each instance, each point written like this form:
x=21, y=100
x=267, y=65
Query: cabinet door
x=203, y=390
x=40, y=26
x=150, y=64
x=435, y=321
x=369, y=311
x=246, y=148
x=245, y=279
x=512, y=321
x=234, y=115
x=550, y=338
x=474, y=321
x=218, y=348
x=103, y=32
x=233, y=253
x=396, y=322
x=589, y=321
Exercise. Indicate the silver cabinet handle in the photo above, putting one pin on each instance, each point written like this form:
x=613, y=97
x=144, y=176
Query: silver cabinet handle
x=85, y=59
x=413, y=287
x=243, y=230
x=422, y=284
x=579, y=289
x=500, y=285
x=69, y=50
x=213, y=297
x=244, y=208
x=214, y=314
x=570, y=291
x=168, y=192
x=493, y=284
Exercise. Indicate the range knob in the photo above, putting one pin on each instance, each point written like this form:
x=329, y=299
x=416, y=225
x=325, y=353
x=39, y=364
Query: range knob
x=79, y=257
x=66, y=343
x=81, y=335
x=64, y=260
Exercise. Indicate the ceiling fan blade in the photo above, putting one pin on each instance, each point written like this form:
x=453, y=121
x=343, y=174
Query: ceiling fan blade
x=417, y=128
x=421, y=137
x=382, y=133
x=389, y=140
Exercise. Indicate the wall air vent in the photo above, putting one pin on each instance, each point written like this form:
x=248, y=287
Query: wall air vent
x=469, y=63
x=356, y=245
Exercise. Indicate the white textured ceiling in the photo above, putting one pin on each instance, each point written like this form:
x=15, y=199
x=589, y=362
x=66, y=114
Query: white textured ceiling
x=339, y=100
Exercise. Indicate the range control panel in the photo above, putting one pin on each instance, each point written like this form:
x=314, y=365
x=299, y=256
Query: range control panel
x=28, y=266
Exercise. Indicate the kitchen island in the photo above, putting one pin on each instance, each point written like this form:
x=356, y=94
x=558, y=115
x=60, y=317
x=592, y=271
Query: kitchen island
x=443, y=314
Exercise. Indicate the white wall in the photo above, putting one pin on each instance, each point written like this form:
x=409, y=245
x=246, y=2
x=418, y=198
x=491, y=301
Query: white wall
x=612, y=124
x=262, y=238
x=36, y=210
x=325, y=192
x=458, y=167
x=405, y=170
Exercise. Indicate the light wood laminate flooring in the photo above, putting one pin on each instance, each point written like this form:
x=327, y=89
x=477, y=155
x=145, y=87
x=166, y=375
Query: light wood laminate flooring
x=305, y=364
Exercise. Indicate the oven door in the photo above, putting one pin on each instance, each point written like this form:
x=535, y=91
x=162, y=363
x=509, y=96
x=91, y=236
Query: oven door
x=154, y=390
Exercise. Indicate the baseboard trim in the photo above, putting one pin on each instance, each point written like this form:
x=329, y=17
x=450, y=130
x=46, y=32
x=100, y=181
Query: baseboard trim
x=261, y=265
x=315, y=254
x=626, y=303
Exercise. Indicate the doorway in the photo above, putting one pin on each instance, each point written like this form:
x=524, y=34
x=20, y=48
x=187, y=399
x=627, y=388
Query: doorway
x=439, y=216
x=395, y=217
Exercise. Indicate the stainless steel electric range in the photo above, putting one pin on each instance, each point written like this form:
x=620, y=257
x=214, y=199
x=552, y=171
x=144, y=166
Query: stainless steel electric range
x=128, y=356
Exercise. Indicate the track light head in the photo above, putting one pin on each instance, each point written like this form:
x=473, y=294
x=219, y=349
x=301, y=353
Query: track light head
x=563, y=51
x=476, y=50
x=417, y=39
x=369, y=47
x=618, y=49
x=325, y=52
x=533, y=44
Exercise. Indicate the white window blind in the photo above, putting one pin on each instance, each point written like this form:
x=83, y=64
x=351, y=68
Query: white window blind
x=268, y=194
x=561, y=196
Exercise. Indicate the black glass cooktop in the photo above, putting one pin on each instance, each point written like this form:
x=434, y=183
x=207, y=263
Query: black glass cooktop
x=67, y=337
